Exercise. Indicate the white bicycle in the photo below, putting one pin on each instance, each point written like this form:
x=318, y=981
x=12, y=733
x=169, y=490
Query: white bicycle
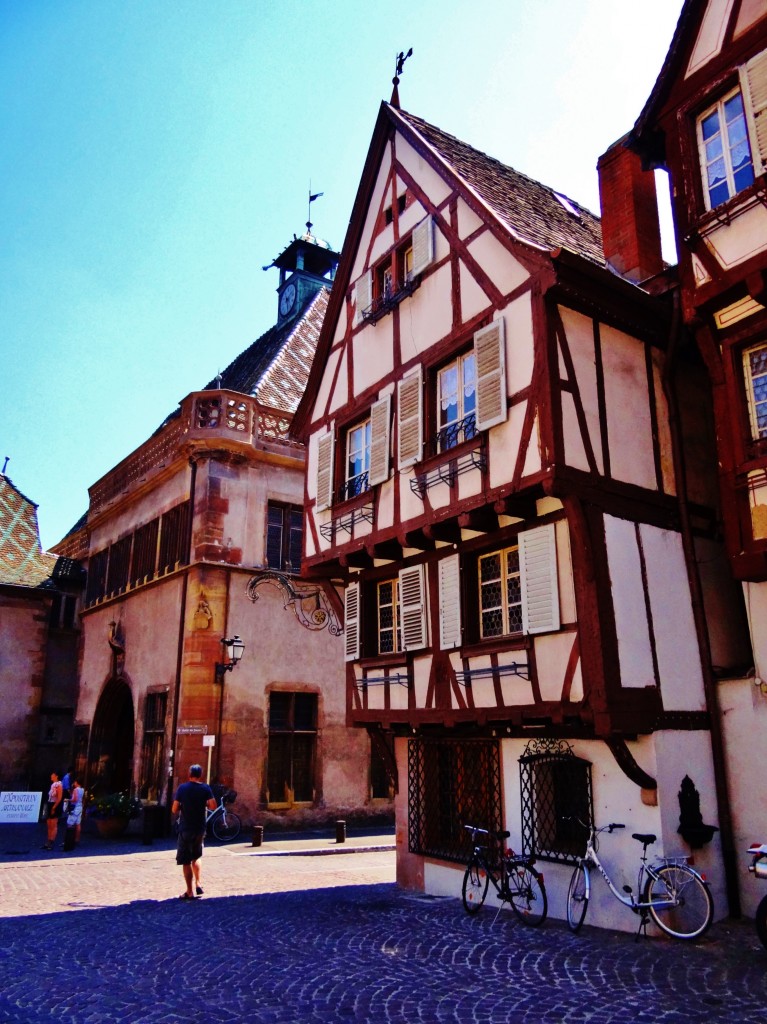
x=673, y=894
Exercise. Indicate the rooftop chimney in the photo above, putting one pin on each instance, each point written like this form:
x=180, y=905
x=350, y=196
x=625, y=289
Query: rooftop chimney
x=630, y=225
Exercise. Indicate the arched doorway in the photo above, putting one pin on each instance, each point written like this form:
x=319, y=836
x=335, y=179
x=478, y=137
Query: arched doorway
x=110, y=758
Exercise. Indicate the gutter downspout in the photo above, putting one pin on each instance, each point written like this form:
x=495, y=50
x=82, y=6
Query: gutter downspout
x=699, y=616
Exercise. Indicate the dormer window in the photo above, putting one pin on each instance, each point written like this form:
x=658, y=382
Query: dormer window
x=725, y=154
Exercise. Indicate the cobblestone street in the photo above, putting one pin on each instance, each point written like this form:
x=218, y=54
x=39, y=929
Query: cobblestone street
x=284, y=936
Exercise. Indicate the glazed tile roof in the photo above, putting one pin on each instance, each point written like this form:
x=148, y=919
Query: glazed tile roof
x=22, y=562
x=532, y=212
x=275, y=368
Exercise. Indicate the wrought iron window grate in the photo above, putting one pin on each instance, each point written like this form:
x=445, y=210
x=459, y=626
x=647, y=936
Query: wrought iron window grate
x=451, y=783
x=449, y=470
x=467, y=676
x=345, y=522
x=556, y=789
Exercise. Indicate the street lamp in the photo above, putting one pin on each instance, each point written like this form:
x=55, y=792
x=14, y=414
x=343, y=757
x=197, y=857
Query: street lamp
x=233, y=651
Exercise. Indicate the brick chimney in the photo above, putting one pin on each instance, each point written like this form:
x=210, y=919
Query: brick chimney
x=630, y=225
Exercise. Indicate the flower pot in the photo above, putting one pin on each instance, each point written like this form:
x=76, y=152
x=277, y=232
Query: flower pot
x=110, y=828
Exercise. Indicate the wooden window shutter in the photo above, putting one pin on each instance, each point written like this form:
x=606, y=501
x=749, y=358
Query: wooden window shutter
x=538, y=577
x=490, y=353
x=450, y=602
x=756, y=105
x=423, y=245
x=352, y=622
x=379, y=441
x=410, y=419
x=325, y=446
x=413, y=607
x=363, y=295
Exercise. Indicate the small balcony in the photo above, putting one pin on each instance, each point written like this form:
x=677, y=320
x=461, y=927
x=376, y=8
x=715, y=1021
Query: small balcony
x=206, y=419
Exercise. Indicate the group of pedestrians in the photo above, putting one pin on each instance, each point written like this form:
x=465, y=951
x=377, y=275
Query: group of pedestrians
x=65, y=800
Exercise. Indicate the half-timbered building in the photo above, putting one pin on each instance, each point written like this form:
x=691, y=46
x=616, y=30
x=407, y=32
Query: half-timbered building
x=494, y=479
x=706, y=124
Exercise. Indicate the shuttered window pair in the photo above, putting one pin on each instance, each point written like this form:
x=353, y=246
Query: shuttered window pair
x=367, y=455
x=732, y=135
x=532, y=592
x=408, y=614
x=395, y=271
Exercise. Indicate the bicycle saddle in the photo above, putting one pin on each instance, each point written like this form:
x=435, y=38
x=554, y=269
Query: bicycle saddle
x=502, y=835
x=644, y=839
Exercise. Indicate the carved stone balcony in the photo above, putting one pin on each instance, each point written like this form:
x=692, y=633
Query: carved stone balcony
x=206, y=419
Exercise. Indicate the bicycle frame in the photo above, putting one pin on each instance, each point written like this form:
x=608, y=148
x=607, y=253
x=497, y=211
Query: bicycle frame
x=628, y=899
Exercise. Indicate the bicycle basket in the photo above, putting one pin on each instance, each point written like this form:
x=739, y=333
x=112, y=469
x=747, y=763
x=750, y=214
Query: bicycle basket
x=230, y=796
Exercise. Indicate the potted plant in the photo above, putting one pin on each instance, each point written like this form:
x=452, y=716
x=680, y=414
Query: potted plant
x=113, y=812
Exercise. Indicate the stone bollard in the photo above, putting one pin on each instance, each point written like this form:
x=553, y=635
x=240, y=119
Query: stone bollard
x=340, y=831
x=258, y=835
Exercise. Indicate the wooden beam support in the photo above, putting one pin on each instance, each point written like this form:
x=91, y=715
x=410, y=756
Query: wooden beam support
x=448, y=531
x=356, y=560
x=389, y=549
x=416, y=539
x=516, y=506
x=482, y=520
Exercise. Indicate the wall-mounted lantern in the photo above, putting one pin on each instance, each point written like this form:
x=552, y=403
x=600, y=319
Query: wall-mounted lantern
x=233, y=652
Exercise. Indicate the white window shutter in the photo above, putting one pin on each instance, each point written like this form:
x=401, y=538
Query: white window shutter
x=423, y=245
x=755, y=74
x=410, y=419
x=450, y=602
x=325, y=445
x=412, y=592
x=379, y=441
x=538, y=578
x=352, y=622
x=363, y=295
x=490, y=353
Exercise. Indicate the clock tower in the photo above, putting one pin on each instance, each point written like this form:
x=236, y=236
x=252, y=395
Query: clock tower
x=306, y=265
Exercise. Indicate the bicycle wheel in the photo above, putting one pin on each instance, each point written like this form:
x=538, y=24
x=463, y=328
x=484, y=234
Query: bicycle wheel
x=226, y=827
x=527, y=893
x=475, y=883
x=578, y=898
x=694, y=909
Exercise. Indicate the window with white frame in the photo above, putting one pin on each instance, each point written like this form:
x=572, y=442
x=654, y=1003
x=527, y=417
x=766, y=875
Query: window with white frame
x=500, y=593
x=357, y=459
x=755, y=374
x=725, y=153
x=457, y=401
x=380, y=288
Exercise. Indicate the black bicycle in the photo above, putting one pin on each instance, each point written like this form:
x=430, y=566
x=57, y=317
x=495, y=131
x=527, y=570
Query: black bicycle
x=513, y=876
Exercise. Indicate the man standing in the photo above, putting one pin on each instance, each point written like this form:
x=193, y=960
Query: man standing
x=192, y=799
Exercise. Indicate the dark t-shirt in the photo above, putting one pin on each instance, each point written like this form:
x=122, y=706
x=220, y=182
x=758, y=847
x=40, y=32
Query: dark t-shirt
x=193, y=797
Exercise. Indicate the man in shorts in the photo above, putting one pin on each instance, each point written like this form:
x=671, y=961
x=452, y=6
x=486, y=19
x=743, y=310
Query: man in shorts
x=192, y=799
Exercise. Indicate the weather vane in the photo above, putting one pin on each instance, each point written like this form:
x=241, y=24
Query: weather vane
x=401, y=58
x=316, y=195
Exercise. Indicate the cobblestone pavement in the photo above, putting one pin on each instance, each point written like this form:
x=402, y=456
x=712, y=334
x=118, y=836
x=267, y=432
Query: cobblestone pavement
x=101, y=937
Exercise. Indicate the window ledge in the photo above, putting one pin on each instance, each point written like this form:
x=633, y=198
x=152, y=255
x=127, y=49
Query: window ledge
x=733, y=207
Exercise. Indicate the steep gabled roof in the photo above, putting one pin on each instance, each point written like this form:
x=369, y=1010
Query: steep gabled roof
x=532, y=212
x=22, y=562
x=275, y=368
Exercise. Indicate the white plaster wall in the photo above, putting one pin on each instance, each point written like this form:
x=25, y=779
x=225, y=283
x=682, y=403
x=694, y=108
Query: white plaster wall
x=468, y=221
x=473, y=298
x=756, y=610
x=634, y=647
x=500, y=266
x=340, y=395
x=744, y=716
x=742, y=238
x=676, y=643
x=373, y=350
x=629, y=428
x=579, y=332
x=372, y=215
x=428, y=318
x=434, y=186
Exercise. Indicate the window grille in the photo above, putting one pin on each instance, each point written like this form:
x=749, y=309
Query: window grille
x=556, y=789
x=292, y=747
x=153, y=746
x=451, y=783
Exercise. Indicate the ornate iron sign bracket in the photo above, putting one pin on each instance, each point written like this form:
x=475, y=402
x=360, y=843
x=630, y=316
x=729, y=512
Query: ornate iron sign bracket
x=309, y=603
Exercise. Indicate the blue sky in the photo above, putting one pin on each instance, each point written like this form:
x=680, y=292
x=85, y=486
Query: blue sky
x=156, y=154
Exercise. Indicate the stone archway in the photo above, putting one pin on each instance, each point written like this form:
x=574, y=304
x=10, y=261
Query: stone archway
x=110, y=756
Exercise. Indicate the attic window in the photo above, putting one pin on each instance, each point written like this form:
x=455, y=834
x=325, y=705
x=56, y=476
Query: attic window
x=568, y=205
x=401, y=204
x=396, y=276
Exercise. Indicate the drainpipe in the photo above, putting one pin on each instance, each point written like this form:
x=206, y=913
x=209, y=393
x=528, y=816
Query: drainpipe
x=222, y=683
x=699, y=616
x=180, y=643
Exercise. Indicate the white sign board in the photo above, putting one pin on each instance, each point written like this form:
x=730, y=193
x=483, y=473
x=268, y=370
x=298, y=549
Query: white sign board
x=17, y=808
x=209, y=740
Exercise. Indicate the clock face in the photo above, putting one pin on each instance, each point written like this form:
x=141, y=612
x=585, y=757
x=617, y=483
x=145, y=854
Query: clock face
x=288, y=298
